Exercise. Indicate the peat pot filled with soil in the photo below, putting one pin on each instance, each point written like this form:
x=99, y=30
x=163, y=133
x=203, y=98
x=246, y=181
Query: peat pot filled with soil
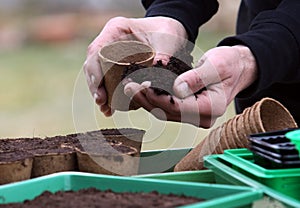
x=15, y=166
x=114, y=58
x=52, y=156
x=53, y=160
x=49, y=155
x=110, y=151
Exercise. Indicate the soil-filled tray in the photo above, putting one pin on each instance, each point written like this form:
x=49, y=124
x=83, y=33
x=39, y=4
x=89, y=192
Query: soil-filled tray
x=92, y=197
x=286, y=181
x=228, y=171
x=214, y=195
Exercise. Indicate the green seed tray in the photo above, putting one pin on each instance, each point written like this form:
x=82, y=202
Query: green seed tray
x=215, y=195
x=238, y=168
x=161, y=160
x=201, y=176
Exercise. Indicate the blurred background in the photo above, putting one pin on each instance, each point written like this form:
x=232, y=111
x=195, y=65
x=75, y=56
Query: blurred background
x=42, y=88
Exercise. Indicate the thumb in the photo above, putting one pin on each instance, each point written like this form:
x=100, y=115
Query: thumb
x=196, y=79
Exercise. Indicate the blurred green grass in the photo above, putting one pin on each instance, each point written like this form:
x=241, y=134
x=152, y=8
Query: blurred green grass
x=37, y=84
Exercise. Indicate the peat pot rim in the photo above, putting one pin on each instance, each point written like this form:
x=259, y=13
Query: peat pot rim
x=114, y=153
x=131, y=43
x=273, y=115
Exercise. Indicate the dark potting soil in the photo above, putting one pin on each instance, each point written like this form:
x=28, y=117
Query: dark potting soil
x=21, y=144
x=161, y=80
x=137, y=57
x=65, y=142
x=95, y=198
x=124, y=149
x=20, y=148
x=112, y=137
x=91, y=142
x=121, y=131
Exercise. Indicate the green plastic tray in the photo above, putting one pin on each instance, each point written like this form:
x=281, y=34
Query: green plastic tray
x=243, y=174
x=284, y=180
x=215, y=195
x=161, y=160
x=202, y=176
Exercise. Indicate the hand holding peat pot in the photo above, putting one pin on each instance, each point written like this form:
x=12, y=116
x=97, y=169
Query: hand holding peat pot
x=114, y=58
x=166, y=35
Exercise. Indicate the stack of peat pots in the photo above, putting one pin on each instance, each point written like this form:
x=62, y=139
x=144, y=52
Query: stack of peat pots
x=264, y=116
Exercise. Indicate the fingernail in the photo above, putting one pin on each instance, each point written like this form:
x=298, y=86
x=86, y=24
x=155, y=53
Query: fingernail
x=128, y=92
x=96, y=96
x=146, y=84
x=182, y=90
x=93, y=79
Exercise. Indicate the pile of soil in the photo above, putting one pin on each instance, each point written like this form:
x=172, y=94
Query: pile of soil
x=92, y=197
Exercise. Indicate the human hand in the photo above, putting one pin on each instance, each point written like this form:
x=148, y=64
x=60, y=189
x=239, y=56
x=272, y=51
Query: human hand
x=164, y=34
x=221, y=74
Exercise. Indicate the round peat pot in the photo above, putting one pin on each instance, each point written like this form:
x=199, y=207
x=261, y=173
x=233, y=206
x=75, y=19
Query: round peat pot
x=114, y=58
x=128, y=136
x=111, y=159
x=48, y=161
x=15, y=166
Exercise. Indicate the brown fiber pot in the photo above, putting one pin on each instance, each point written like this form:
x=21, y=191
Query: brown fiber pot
x=110, y=151
x=265, y=115
x=112, y=163
x=15, y=168
x=114, y=58
x=50, y=161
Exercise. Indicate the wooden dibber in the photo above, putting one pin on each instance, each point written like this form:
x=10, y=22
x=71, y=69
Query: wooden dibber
x=265, y=115
x=114, y=58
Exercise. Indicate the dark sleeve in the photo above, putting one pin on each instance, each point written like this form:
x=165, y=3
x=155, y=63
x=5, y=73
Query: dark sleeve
x=274, y=39
x=191, y=13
